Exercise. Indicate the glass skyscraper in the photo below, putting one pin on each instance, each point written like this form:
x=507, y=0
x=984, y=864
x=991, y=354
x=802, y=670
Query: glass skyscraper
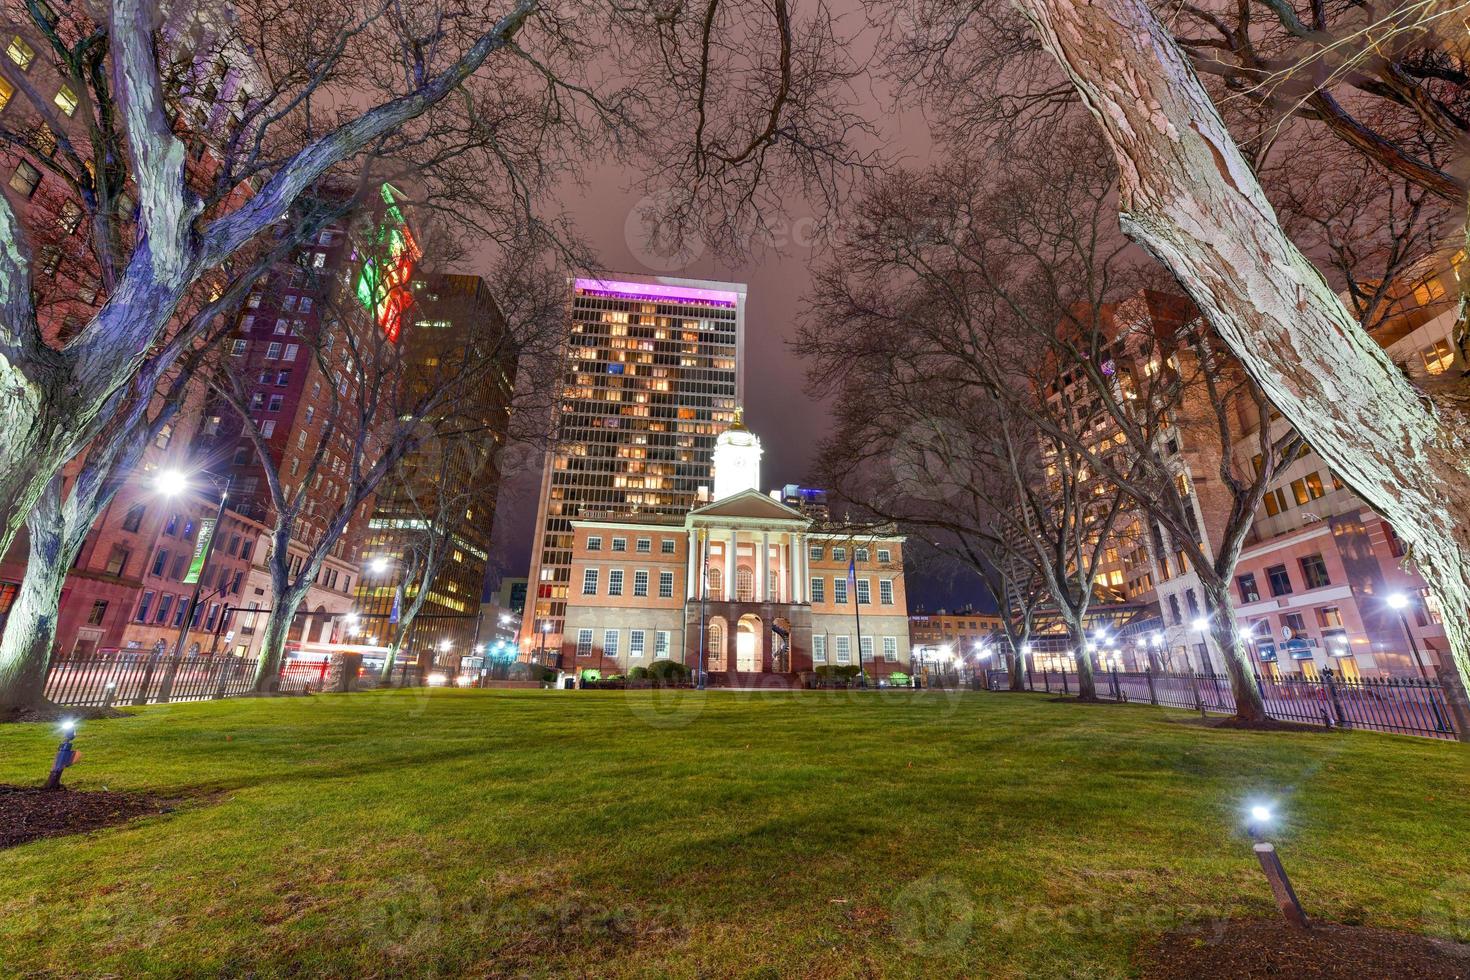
x=653, y=372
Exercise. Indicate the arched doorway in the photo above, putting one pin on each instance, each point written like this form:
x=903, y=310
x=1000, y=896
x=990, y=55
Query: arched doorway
x=780, y=645
x=748, y=643
x=715, y=651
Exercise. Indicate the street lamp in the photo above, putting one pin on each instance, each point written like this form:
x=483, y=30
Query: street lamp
x=1202, y=625
x=1399, y=602
x=173, y=483
x=378, y=565
x=541, y=642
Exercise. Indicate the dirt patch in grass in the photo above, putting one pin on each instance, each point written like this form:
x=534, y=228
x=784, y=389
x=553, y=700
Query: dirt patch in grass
x=29, y=813
x=60, y=712
x=1252, y=948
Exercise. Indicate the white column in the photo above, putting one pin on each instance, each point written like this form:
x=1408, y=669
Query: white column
x=729, y=593
x=691, y=586
x=803, y=580
x=806, y=567
x=763, y=568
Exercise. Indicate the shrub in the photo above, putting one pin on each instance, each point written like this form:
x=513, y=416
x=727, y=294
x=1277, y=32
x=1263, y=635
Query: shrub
x=591, y=674
x=667, y=670
x=844, y=672
x=638, y=674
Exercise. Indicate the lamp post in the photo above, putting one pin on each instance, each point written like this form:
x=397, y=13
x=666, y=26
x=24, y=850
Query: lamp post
x=1399, y=602
x=703, y=602
x=541, y=642
x=1258, y=821
x=1202, y=625
x=171, y=483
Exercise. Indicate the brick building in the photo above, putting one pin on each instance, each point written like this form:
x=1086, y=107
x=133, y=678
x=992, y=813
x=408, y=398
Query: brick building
x=782, y=594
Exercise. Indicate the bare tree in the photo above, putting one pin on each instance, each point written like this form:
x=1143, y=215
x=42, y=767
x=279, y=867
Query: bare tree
x=1191, y=198
x=380, y=402
x=182, y=133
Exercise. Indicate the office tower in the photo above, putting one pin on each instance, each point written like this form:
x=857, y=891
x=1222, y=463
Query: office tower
x=653, y=373
x=438, y=507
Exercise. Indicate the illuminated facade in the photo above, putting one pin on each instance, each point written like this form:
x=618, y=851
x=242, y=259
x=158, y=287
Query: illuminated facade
x=653, y=373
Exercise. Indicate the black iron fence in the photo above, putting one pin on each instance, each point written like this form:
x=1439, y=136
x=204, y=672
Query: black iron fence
x=1400, y=705
x=143, y=677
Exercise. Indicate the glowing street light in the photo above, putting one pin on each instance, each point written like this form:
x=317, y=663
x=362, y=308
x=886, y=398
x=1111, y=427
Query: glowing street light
x=378, y=565
x=1259, y=818
x=1398, y=602
x=171, y=483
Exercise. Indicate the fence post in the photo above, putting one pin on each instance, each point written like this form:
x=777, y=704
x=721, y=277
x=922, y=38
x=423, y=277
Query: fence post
x=1064, y=681
x=1342, y=719
x=1046, y=678
x=226, y=662
x=1199, y=704
x=1117, y=691
x=1454, y=693
x=142, y=697
x=1153, y=697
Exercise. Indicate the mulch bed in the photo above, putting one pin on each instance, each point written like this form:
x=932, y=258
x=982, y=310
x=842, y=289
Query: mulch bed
x=1258, y=948
x=59, y=712
x=28, y=812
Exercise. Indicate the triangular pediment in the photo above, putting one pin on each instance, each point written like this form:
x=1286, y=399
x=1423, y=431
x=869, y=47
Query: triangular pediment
x=748, y=505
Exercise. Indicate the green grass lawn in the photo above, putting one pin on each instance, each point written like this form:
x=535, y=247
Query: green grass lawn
x=727, y=834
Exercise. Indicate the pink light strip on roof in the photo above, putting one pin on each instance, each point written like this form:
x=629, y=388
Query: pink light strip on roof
x=656, y=292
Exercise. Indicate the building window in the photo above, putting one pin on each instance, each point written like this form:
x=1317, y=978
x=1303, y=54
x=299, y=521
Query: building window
x=98, y=613
x=134, y=518
x=275, y=403
x=844, y=649
x=160, y=561
x=864, y=592
x=1191, y=601
x=1329, y=617
x=589, y=581
x=744, y=585
x=117, y=560
x=716, y=581
x=635, y=643
x=70, y=218
x=890, y=649
x=268, y=429
x=1438, y=356
x=584, y=643
x=645, y=546
x=66, y=100
x=619, y=544
x=237, y=349
x=667, y=546
x=885, y=591
x=20, y=52
x=594, y=543
x=273, y=352
x=640, y=583
x=665, y=585
x=1279, y=581
x=1314, y=572
x=1174, y=613
x=1296, y=624
x=865, y=649
x=610, y=642
x=143, y=607
x=862, y=554
x=165, y=603
x=884, y=556
x=839, y=554
x=615, y=582
x=819, y=590
x=25, y=179
x=6, y=91
x=814, y=552
x=1247, y=585
x=819, y=649
x=839, y=591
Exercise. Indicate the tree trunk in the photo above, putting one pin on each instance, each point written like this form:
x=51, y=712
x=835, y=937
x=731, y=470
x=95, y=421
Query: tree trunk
x=1189, y=197
x=1086, y=684
x=30, y=630
x=273, y=645
x=1238, y=664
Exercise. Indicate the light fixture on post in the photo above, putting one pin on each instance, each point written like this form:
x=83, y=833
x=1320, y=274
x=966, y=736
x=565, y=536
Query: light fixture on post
x=1259, y=818
x=173, y=483
x=1202, y=626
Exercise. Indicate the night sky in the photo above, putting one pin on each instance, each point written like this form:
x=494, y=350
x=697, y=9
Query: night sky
x=789, y=422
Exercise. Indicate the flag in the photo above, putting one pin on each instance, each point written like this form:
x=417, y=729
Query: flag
x=397, y=605
x=852, y=569
x=201, y=550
